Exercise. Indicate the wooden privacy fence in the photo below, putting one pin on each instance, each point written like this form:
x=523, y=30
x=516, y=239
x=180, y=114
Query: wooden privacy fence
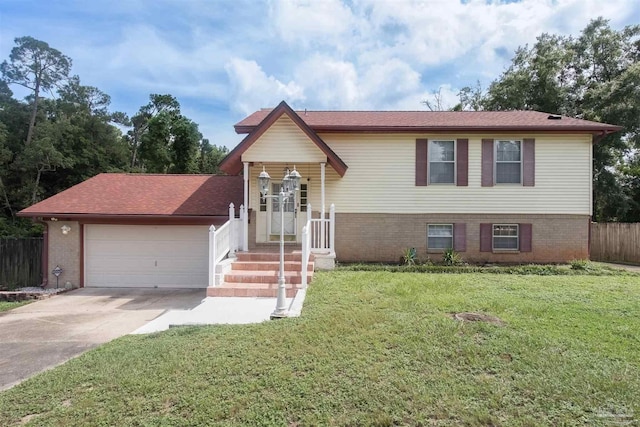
x=20, y=262
x=615, y=242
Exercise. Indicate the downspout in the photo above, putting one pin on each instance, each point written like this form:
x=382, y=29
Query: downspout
x=45, y=252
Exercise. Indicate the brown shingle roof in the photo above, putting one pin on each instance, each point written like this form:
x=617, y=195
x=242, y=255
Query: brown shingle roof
x=353, y=121
x=148, y=195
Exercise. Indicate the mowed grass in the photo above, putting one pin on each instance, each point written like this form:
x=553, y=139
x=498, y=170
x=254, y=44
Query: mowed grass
x=371, y=349
x=9, y=305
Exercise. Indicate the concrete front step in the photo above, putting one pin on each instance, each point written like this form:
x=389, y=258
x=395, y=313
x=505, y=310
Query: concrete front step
x=251, y=276
x=256, y=290
x=269, y=265
x=269, y=256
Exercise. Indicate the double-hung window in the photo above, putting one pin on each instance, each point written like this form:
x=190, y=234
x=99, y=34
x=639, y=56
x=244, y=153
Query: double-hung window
x=439, y=236
x=505, y=237
x=442, y=159
x=508, y=162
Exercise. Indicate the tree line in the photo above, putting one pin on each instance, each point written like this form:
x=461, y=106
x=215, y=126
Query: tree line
x=594, y=76
x=63, y=133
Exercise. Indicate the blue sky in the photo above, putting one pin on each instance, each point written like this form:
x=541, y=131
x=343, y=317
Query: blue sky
x=226, y=59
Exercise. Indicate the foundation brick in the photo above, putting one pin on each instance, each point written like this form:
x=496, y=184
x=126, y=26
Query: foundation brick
x=383, y=237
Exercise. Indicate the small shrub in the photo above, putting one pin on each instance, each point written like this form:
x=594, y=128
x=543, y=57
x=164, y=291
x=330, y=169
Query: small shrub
x=451, y=258
x=409, y=256
x=581, y=265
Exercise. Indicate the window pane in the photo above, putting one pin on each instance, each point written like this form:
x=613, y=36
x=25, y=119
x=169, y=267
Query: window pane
x=438, y=230
x=508, y=151
x=505, y=230
x=441, y=151
x=441, y=173
x=440, y=236
x=505, y=243
x=439, y=242
x=508, y=173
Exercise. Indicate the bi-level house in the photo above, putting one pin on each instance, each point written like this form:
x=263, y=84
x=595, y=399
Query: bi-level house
x=509, y=186
x=504, y=187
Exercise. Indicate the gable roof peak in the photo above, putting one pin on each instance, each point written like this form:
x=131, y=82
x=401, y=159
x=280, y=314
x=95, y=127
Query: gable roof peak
x=232, y=163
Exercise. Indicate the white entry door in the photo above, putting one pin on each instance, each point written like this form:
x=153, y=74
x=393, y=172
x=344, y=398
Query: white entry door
x=289, y=213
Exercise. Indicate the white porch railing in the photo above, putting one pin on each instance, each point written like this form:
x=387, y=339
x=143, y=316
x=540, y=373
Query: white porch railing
x=318, y=235
x=225, y=241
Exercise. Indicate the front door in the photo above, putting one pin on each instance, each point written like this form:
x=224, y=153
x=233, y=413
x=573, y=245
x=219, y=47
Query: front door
x=289, y=213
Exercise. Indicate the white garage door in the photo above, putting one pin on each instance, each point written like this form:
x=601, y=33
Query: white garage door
x=164, y=256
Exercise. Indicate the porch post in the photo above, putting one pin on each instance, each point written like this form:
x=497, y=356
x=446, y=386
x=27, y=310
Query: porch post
x=233, y=240
x=322, y=165
x=322, y=212
x=245, y=222
x=332, y=227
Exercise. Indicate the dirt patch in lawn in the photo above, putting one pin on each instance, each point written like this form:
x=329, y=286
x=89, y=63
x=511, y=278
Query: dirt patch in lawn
x=477, y=317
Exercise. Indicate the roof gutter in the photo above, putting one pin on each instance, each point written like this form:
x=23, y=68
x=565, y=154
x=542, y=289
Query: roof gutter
x=599, y=136
x=64, y=215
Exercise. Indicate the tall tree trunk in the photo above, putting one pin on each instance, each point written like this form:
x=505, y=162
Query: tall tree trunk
x=134, y=155
x=34, y=112
x=6, y=197
x=35, y=187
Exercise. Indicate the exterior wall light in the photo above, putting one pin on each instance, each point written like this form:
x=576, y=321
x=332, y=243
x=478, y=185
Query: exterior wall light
x=65, y=229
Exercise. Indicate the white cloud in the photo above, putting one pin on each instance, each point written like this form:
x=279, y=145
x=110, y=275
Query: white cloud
x=231, y=57
x=252, y=89
x=312, y=22
x=328, y=83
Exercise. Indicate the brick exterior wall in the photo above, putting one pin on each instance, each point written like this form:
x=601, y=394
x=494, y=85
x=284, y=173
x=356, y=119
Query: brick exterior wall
x=383, y=237
x=64, y=250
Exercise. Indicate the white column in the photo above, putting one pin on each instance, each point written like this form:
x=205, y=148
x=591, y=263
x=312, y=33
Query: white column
x=332, y=227
x=245, y=223
x=322, y=212
x=322, y=165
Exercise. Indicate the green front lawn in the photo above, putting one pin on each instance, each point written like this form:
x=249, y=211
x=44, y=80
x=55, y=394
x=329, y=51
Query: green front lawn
x=372, y=348
x=6, y=306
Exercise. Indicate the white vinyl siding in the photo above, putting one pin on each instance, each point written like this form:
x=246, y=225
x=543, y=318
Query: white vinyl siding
x=442, y=162
x=508, y=162
x=381, y=177
x=505, y=237
x=149, y=256
x=439, y=236
x=284, y=141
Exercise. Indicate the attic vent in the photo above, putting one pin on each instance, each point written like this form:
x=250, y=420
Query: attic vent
x=554, y=117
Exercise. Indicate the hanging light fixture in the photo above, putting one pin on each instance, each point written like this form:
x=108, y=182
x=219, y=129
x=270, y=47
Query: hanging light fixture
x=263, y=182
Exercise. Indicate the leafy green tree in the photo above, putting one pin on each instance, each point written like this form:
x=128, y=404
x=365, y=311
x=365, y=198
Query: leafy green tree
x=184, y=146
x=210, y=157
x=166, y=105
x=36, y=66
x=595, y=76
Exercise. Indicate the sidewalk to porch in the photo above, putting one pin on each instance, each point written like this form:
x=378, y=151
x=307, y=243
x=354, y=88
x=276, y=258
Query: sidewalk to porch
x=223, y=311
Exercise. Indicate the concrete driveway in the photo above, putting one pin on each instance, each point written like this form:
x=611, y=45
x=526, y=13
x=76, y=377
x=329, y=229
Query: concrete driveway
x=49, y=332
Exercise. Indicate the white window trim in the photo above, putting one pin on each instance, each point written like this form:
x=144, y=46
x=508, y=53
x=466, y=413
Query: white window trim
x=440, y=249
x=495, y=161
x=455, y=162
x=517, y=237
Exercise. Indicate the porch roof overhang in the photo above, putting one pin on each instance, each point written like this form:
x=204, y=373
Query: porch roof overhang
x=232, y=163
